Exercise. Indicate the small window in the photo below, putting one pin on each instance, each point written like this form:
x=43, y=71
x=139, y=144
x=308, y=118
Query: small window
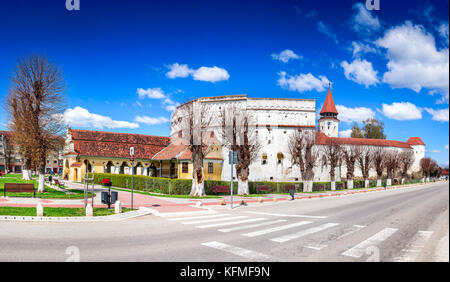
x=210, y=168
x=184, y=167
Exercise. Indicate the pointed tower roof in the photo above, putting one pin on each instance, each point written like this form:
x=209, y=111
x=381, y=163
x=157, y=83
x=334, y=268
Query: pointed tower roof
x=328, y=106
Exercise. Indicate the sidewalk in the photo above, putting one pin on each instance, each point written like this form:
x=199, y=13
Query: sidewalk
x=174, y=205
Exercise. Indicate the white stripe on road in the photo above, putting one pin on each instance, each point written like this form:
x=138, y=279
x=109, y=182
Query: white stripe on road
x=350, y=231
x=248, y=254
x=303, y=233
x=287, y=215
x=200, y=217
x=360, y=249
x=252, y=225
x=214, y=220
x=232, y=223
x=270, y=230
x=414, y=247
x=316, y=247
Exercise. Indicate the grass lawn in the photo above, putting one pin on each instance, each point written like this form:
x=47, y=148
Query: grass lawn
x=57, y=212
x=48, y=194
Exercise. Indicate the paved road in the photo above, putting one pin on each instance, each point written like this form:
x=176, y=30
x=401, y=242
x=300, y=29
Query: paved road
x=396, y=225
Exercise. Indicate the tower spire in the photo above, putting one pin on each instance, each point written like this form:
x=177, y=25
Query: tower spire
x=328, y=105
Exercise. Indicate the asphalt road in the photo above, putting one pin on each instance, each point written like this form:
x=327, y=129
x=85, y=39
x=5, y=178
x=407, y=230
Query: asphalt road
x=394, y=225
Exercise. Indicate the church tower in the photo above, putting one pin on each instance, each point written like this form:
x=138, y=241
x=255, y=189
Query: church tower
x=328, y=121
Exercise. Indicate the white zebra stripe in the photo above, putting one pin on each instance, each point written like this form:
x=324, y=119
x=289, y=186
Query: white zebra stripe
x=231, y=223
x=214, y=220
x=303, y=233
x=359, y=250
x=279, y=228
x=198, y=217
x=252, y=225
x=248, y=254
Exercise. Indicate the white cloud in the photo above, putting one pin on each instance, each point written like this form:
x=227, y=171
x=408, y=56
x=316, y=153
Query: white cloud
x=302, y=82
x=210, y=74
x=439, y=115
x=435, y=151
x=170, y=105
x=359, y=48
x=358, y=114
x=177, y=70
x=446, y=147
x=414, y=61
x=402, y=111
x=80, y=117
x=345, y=133
x=360, y=72
x=285, y=56
x=363, y=21
x=150, y=121
x=153, y=93
x=325, y=30
x=443, y=31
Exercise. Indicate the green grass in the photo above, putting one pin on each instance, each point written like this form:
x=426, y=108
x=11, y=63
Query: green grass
x=56, y=212
x=48, y=194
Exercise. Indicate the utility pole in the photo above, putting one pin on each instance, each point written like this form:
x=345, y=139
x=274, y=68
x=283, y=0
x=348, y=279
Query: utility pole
x=132, y=173
x=232, y=159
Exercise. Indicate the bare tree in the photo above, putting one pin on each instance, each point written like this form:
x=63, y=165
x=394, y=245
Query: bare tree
x=36, y=105
x=392, y=165
x=406, y=160
x=378, y=162
x=350, y=154
x=304, y=153
x=190, y=125
x=238, y=133
x=364, y=162
x=333, y=154
x=7, y=150
x=428, y=166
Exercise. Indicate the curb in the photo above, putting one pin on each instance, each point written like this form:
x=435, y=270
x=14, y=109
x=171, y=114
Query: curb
x=115, y=217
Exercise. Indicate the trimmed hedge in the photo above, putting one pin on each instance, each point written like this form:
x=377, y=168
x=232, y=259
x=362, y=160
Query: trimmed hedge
x=183, y=186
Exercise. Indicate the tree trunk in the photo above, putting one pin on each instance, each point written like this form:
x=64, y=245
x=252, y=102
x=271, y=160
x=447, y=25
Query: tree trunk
x=350, y=184
x=333, y=185
x=379, y=182
x=26, y=171
x=243, y=187
x=388, y=182
x=366, y=183
x=198, y=189
x=41, y=187
x=307, y=186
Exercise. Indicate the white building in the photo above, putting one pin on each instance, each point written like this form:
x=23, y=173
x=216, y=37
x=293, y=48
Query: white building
x=277, y=118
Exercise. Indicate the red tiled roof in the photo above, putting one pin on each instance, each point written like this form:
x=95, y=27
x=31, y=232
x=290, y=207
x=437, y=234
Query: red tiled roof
x=114, y=144
x=77, y=164
x=415, y=141
x=170, y=152
x=328, y=106
x=321, y=139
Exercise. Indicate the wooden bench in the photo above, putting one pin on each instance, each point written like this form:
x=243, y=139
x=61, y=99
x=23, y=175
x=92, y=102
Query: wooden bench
x=59, y=183
x=260, y=188
x=19, y=188
x=221, y=189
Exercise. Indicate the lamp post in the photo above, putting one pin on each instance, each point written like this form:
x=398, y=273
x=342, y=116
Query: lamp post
x=132, y=172
x=232, y=159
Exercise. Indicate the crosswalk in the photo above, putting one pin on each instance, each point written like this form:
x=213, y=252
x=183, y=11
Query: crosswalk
x=307, y=231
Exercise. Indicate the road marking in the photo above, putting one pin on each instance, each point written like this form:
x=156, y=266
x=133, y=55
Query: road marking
x=359, y=250
x=316, y=247
x=252, y=225
x=248, y=254
x=351, y=230
x=414, y=247
x=232, y=223
x=279, y=228
x=303, y=233
x=200, y=217
x=287, y=215
x=214, y=220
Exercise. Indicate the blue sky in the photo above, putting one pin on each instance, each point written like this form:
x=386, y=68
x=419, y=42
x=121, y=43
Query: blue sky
x=128, y=63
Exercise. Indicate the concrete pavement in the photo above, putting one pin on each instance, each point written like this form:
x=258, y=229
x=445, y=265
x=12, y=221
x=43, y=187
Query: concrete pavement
x=394, y=225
